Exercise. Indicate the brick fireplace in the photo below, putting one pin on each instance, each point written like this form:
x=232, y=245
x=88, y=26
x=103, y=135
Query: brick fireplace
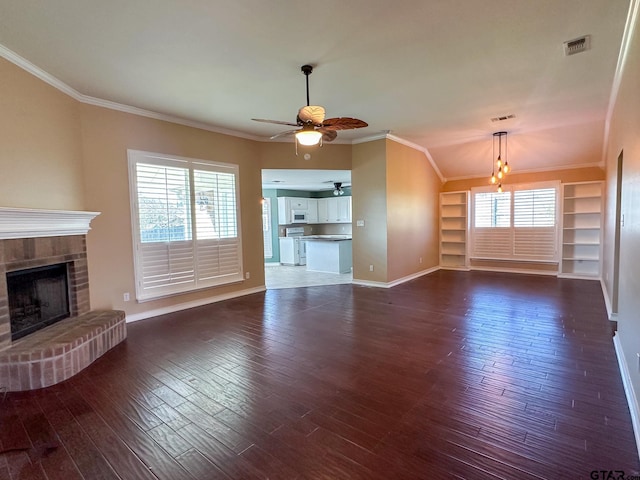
x=26, y=253
x=39, y=238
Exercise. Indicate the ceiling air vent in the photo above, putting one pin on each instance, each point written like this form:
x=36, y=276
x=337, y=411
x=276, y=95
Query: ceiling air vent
x=503, y=118
x=577, y=45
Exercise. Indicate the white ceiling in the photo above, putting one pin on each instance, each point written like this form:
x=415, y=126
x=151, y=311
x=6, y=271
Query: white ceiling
x=432, y=72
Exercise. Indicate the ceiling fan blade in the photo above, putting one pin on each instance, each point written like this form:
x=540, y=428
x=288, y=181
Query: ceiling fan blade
x=343, y=123
x=311, y=113
x=277, y=122
x=282, y=134
x=328, y=135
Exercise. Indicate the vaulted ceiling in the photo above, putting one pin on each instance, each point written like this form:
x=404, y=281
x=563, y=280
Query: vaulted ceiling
x=431, y=72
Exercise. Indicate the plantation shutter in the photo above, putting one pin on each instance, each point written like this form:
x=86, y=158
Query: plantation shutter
x=492, y=222
x=185, y=224
x=520, y=224
x=534, y=221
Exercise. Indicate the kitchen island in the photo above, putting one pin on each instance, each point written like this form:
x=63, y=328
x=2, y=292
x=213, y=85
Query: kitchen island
x=329, y=253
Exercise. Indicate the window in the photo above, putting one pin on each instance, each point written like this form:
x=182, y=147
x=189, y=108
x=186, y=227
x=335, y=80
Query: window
x=266, y=228
x=185, y=216
x=519, y=224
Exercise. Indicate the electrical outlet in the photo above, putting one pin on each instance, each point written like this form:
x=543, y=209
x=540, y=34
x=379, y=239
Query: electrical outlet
x=420, y=259
x=247, y=275
x=359, y=223
x=126, y=297
x=371, y=268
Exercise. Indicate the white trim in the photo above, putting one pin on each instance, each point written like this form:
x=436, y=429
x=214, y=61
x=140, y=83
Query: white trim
x=458, y=269
x=535, y=170
x=36, y=71
x=607, y=301
x=524, y=271
x=577, y=276
x=195, y=303
x=415, y=146
x=413, y=276
x=372, y=138
x=629, y=27
x=406, y=143
x=32, y=223
x=632, y=400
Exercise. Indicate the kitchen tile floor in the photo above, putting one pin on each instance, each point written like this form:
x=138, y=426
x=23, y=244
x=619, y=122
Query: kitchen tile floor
x=280, y=276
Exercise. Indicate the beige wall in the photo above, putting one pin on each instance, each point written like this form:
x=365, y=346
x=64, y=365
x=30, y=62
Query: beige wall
x=106, y=136
x=283, y=155
x=625, y=137
x=40, y=152
x=395, y=191
x=585, y=174
x=413, y=189
x=369, y=190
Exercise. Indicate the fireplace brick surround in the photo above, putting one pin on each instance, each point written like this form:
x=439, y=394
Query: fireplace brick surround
x=37, y=238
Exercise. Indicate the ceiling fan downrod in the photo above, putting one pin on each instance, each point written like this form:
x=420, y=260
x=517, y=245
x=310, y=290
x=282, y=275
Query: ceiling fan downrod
x=307, y=69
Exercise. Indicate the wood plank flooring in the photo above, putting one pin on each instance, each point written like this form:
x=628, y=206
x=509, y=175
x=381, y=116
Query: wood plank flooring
x=454, y=375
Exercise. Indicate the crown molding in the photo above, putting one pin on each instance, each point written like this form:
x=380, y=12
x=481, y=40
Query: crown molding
x=404, y=142
x=36, y=71
x=629, y=27
x=420, y=148
x=46, y=77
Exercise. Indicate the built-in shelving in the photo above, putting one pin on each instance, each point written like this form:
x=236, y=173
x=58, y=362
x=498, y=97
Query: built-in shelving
x=454, y=207
x=581, y=229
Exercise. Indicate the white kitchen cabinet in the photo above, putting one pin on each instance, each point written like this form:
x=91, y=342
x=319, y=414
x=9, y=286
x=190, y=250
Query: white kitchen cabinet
x=343, y=209
x=286, y=206
x=334, y=210
x=312, y=210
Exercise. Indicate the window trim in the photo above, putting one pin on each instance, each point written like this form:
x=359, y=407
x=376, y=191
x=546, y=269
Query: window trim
x=139, y=156
x=512, y=257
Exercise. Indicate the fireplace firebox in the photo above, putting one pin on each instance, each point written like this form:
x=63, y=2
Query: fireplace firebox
x=38, y=297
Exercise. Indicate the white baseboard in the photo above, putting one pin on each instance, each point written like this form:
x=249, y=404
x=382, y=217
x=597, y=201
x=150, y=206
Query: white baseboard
x=195, y=303
x=515, y=270
x=607, y=301
x=413, y=276
x=632, y=400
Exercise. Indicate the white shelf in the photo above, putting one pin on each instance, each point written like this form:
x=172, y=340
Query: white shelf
x=581, y=229
x=453, y=229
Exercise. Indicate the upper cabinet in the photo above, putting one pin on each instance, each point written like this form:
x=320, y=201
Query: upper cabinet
x=316, y=210
x=334, y=210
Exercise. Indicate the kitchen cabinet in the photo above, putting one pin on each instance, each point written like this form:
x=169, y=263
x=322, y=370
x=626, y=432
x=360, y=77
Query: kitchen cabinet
x=331, y=255
x=334, y=210
x=286, y=205
x=312, y=210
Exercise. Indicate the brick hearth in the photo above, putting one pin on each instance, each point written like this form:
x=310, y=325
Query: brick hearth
x=58, y=352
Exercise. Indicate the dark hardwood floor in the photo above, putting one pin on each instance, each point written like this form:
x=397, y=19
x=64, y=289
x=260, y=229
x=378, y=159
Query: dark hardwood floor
x=454, y=375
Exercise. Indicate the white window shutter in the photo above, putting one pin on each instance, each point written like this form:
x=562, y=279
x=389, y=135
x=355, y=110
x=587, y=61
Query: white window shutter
x=185, y=224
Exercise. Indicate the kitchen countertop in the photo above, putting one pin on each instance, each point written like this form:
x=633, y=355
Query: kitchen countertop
x=329, y=238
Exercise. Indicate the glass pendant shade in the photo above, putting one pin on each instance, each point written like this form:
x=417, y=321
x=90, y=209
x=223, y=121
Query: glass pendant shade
x=308, y=137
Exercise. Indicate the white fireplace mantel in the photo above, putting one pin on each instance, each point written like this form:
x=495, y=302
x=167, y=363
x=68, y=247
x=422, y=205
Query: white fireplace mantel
x=31, y=223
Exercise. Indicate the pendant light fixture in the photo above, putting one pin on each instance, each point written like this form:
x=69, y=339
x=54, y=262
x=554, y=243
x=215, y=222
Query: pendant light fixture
x=501, y=165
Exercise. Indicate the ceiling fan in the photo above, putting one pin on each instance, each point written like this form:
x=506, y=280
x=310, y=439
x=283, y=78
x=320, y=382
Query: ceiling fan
x=314, y=127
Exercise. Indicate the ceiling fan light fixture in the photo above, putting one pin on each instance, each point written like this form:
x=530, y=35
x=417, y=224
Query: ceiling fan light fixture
x=338, y=189
x=308, y=137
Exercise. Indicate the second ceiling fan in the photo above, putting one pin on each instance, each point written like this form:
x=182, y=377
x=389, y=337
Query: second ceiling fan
x=314, y=128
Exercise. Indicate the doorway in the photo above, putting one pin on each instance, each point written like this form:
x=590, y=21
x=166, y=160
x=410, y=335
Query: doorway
x=616, y=242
